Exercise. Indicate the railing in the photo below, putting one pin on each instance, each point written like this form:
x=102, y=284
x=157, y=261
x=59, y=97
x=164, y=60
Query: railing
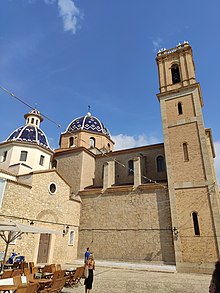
x=173, y=50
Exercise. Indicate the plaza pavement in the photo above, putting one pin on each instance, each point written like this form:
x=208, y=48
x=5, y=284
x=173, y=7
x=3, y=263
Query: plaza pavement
x=116, y=277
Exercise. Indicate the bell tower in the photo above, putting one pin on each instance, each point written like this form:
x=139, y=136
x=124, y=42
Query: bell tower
x=193, y=190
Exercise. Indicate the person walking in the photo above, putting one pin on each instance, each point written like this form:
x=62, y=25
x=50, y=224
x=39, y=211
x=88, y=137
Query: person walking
x=87, y=254
x=89, y=280
x=214, y=286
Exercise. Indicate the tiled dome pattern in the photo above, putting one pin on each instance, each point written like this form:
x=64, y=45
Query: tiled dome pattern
x=88, y=122
x=30, y=134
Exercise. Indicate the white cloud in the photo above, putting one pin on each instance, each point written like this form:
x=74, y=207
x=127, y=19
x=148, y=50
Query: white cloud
x=123, y=141
x=157, y=43
x=69, y=13
x=217, y=160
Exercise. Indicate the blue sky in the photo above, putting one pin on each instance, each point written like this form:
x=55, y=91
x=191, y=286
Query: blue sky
x=63, y=55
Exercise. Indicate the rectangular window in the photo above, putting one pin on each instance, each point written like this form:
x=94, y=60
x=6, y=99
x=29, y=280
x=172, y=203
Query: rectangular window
x=131, y=167
x=41, y=160
x=23, y=156
x=71, y=237
x=3, y=183
x=4, y=156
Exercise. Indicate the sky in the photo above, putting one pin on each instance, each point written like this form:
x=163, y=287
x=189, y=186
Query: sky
x=62, y=55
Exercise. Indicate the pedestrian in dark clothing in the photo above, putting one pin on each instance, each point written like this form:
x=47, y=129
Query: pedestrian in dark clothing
x=214, y=286
x=89, y=280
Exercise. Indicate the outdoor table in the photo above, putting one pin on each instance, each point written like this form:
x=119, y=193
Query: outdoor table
x=8, y=284
x=5, y=288
x=70, y=270
x=70, y=276
x=47, y=275
x=40, y=267
x=8, y=266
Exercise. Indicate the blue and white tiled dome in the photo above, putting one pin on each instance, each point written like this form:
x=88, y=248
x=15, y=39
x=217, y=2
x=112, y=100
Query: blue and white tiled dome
x=30, y=132
x=88, y=122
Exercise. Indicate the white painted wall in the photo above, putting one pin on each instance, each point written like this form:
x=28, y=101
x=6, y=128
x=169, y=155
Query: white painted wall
x=33, y=157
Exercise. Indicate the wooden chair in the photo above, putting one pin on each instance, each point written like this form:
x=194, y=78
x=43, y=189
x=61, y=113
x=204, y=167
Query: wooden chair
x=56, y=275
x=34, y=270
x=6, y=274
x=74, y=279
x=31, y=265
x=27, y=271
x=22, y=289
x=15, y=265
x=32, y=288
x=61, y=284
x=62, y=273
x=23, y=265
x=16, y=272
x=78, y=274
x=30, y=278
x=53, y=268
x=56, y=287
x=47, y=269
x=17, y=280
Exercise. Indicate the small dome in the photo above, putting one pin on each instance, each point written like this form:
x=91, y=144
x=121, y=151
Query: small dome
x=88, y=122
x=30, y=134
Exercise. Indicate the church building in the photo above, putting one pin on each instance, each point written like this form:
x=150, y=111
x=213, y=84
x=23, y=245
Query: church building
x=152, y=204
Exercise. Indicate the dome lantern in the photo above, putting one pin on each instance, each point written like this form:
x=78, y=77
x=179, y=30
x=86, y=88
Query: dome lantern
x=33, y=118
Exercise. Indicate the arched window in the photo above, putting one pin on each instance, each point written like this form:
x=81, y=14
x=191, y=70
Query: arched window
x=196, y=223
x=180, y=108
x=54, y=163
x=175, y=73
x=108, y=147
x=32, y=120
x=71, y=141
x=92, y=142
x=185, y=152
x=160, y=164
x=23, y=156
x=130, y=167
x=71, y=237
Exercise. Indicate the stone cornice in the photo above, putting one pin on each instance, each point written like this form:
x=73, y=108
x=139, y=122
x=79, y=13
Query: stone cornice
x=66, y=134
x=66, y=151
x=171, y=94
x=27, y=144
x=132, y=150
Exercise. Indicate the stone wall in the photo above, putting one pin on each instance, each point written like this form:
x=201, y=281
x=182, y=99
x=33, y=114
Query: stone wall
x=196, y=248
x=148, y=161
x=121, y=224
x=193, y=169
x=38, y=204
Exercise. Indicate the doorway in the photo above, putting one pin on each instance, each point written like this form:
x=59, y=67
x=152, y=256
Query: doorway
x=43, y=250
